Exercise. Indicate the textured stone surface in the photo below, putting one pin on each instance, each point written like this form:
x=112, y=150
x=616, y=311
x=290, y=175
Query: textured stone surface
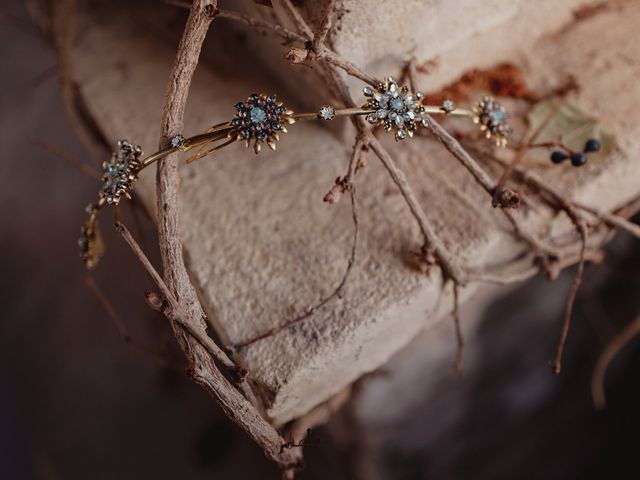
x=261, y=244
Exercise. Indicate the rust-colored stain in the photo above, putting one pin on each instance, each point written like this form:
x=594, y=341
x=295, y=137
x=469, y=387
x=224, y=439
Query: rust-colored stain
x=504, y=80
x=588, y=11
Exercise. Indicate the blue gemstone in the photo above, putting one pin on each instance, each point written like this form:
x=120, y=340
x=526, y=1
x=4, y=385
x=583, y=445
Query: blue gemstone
x=257, y=115
x=497, y=116
x=397, y=104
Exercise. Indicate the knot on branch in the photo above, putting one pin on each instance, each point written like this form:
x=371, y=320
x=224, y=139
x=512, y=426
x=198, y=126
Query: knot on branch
x=298, y=55
x=155, y=301
x=341, y=185
x=423, y=260
x=210, y=10
x=506, y=198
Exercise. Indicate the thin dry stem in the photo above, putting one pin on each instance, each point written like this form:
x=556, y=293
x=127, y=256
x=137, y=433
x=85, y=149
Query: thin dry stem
x=606, y=357
x=504, y=198
x=458, y=331
x=350, y=187
x=181, y=316
x=161, y=357
x=431, y=240
x=238, y=408
x=568, y=313
x=611, y=219
x=543, y=252
x=520, y=152
x=74, y=162
x=205, y=372
x=507, y=198
x=297, y=19
x=321, y=35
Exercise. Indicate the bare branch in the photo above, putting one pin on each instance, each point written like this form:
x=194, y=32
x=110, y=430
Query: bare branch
x=611, y=219
x=575, y=285
x=162, y=357
x=235, y=405
x=321, y=35
x=606, y=357
x=431, y=240
x=74, y=162
x=521, y=151
x=335, y=294
x=458, y=330
x=262, y=25
x=180, y=315
x=205, y=372
x=507, y=198
x=297, y=19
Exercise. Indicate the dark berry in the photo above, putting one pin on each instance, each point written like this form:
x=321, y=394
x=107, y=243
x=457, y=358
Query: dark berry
x=558, y=156
x=578, y=159
x=592, y=145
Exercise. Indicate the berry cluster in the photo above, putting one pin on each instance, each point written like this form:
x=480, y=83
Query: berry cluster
x=577, y=158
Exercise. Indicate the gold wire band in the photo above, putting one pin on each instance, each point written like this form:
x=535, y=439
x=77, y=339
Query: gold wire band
x=220, y=131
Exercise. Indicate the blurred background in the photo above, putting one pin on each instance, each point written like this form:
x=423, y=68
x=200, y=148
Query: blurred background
x=77, y=401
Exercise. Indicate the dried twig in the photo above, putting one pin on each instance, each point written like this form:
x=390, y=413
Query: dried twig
x=74, y=162
x=351, y=188
x=297, y=19
x=108, y=307
x=236, y=406
x=502, y=197
x=611, y=219
x=205, y=372
x=521, y=151
x=432, y=242
x=163, y=358
x=508, y=198
x=322, y=51
x=544, y=253
x=262, y=25
x=458, y=330
x=575, y=285
x=180, y=315
x=321, y=35
x=606, y=357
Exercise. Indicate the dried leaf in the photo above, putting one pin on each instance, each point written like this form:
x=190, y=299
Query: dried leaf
x=91, y=244
x=571, y=126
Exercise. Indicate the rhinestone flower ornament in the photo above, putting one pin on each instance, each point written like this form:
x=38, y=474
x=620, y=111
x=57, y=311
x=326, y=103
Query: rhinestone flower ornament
x=395, y=108
x=259, y=120
x=493, y=119
x=120, y=172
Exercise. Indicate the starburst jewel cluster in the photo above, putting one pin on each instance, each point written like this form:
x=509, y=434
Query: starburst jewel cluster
x=259, y=119
x=395, y=108
x=493, y=119
x=120, y=172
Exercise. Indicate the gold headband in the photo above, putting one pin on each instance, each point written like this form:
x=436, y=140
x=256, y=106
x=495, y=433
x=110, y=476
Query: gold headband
x=260, y=119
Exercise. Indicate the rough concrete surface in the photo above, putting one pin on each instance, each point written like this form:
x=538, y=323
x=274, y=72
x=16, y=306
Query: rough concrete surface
x=261, y=244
